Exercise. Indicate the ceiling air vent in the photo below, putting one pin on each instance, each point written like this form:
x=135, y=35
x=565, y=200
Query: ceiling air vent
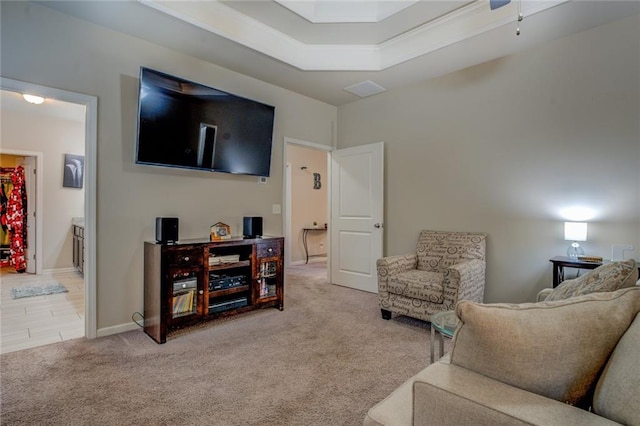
x=365, y=88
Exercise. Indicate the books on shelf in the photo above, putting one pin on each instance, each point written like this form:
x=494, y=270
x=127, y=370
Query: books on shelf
x=268, y=269
x=183, y=303
x=594, y=259
x=267, y=288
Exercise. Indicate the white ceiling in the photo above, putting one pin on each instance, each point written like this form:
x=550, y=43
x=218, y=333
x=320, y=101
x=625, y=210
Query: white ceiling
x=13, y=101
x=419, y=40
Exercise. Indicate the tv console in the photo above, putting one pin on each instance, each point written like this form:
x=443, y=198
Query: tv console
x=193, y=281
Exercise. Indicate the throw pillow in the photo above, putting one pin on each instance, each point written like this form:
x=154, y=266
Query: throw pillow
x=616, y=396
x=555, y=349
x=608, y=277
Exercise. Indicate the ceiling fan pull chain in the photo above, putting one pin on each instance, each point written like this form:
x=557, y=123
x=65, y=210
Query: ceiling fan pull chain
x=520, y=17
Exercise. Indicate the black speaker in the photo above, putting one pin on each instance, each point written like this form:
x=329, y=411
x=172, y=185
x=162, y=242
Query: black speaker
x=252, y=226
x=166, y=229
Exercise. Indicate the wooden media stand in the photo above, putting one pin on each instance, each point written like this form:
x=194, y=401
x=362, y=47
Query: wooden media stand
x=193, y=281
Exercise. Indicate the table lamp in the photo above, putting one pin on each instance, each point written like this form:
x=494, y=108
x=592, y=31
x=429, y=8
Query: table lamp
x=575, y=231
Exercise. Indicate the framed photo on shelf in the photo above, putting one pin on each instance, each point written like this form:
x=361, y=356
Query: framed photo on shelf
x=220, y=231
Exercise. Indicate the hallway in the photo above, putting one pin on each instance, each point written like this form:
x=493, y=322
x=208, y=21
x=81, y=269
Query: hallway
x=40, y=320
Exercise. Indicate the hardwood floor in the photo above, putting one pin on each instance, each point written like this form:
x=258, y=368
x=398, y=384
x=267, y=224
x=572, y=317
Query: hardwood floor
x=40, y=320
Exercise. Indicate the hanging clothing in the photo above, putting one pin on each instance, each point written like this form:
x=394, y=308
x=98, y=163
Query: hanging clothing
x=3, y=209
x=17, y=220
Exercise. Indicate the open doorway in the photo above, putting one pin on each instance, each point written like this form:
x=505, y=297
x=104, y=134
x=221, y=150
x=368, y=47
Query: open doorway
x=19, y=206
x=42, y=294
x=306, y=204
x=52, y=263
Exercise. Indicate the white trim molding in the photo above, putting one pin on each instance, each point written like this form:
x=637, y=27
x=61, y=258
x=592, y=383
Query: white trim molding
x=468, y=21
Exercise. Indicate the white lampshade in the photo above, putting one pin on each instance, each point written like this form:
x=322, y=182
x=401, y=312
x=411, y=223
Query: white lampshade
x=575, y=231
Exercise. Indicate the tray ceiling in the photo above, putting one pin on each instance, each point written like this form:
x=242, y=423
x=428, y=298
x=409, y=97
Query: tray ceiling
x=423, y=39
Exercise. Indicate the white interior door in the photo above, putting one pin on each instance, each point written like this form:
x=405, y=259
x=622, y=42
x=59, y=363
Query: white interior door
x=357, y=188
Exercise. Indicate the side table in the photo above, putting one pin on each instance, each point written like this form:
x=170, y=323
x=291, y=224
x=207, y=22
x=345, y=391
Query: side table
x=442, y=324
x=305, y=232
x=561, y=262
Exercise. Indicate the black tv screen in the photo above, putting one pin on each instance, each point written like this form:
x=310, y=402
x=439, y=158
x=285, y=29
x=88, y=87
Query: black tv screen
x=190, y=125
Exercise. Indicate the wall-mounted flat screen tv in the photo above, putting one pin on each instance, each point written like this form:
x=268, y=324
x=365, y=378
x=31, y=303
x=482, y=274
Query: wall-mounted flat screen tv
x=189, y=125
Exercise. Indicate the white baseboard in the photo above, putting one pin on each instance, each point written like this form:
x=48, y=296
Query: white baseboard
x=116, y=329
x=312, y=260
x=58, y=270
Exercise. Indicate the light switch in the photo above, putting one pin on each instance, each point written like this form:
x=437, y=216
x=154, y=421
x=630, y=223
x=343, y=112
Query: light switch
x=276, y=209
x=617, y=251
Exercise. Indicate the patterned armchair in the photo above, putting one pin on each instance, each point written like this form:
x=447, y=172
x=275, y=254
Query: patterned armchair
x=446, y=267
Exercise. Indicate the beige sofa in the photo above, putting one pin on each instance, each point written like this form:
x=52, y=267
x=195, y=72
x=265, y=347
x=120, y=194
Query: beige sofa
x=572, y=361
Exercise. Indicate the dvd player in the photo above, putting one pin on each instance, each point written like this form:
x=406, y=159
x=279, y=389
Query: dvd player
x=217, y=282
x=229, y=304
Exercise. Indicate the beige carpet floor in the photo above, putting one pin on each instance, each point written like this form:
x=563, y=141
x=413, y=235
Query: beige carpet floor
x=324, y=360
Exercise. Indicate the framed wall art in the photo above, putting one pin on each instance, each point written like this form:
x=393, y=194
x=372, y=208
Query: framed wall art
x=73, y=175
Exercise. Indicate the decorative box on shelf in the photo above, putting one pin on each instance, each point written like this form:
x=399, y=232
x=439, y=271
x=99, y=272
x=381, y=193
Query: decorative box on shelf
x=220, y=231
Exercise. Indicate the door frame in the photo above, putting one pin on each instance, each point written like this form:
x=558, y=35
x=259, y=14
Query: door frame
x=39, y=202
x=91, y=146
x=287, y=197
x=30, y=171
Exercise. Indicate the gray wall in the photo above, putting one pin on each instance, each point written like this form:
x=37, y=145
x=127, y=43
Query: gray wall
x=44, y=47
x=504, y=146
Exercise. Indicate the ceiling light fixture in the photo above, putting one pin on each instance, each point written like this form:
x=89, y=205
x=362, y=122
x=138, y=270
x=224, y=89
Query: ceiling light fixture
x=495, y=4
x=37, y=100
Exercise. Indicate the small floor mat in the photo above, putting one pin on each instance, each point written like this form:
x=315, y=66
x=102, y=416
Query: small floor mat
x=37, y=290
